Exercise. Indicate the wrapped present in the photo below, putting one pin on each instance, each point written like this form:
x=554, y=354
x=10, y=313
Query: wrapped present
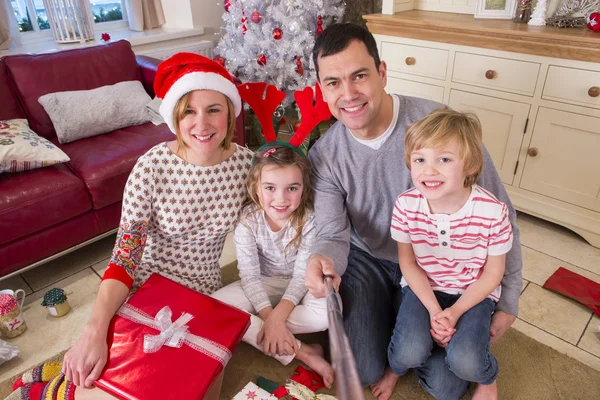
x=252, y=391
x=169, y=342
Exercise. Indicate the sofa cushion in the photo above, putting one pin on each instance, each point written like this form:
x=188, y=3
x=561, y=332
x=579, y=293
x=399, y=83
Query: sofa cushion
x=34, y=200
x=104, y=162
x=79, y=114
x=21, y=149
x=78, y=69
x=11, y=108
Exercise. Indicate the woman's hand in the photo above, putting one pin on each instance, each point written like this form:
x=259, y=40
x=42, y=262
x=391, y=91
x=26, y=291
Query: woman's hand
x=84, y=362
x=276, y=337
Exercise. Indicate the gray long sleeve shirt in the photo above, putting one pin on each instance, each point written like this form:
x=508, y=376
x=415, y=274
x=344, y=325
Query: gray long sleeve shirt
x=262, y=252
x=356, y=186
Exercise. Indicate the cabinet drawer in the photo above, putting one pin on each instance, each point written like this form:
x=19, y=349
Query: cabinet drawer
x=496, y=73
x=415, y=89
x=572, y=85
x=415, y=60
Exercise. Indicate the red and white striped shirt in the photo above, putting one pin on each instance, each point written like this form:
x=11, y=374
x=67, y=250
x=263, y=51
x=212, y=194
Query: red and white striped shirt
x=452, y=249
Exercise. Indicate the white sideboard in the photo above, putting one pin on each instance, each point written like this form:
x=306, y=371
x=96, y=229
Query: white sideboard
x=540, y=114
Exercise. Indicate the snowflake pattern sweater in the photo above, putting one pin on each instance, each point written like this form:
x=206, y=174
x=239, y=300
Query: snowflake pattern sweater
x=175, y=218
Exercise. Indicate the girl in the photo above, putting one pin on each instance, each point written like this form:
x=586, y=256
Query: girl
x=273, y=239
x=171, y=221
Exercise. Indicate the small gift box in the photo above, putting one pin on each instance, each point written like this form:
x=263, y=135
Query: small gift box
x=55, y=301
x=252, y=391
x=169, y=342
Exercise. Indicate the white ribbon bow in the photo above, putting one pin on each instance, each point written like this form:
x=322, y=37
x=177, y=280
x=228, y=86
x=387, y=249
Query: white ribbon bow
x=301, y=392
x=173, y=334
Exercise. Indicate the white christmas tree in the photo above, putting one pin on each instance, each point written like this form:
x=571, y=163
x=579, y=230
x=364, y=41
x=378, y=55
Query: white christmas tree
x=272, y=40
x=538, y=16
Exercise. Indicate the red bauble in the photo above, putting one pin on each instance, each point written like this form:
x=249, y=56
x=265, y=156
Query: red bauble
x=227, y=5
x=593, y=22
x=261, y=60
x=105, y=37
x=277, y=34
x=256, y=17
x=220, y=60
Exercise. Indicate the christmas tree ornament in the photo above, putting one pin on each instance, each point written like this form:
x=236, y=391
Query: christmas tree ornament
x=299, y=68
x=593, y=21
x=55, y=301
x=295, y=26
x=277, y=34
x=220, y=60
x=319, y=25
x=289, y=6
x=227, y=5
x=261, y=60
x=244, y=27
x=256, y=17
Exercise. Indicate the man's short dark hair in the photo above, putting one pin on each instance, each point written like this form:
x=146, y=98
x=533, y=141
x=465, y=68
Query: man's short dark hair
x=337, y=37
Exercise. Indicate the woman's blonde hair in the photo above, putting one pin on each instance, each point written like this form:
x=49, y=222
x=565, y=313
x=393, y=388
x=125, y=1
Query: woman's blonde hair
x=440, y=127
x=179, y=114
x=283, y=157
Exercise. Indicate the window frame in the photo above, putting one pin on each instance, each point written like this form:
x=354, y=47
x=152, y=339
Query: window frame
x=38, y=35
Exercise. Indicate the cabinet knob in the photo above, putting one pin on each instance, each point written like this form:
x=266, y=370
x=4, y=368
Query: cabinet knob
x=532, y=152
x=490, y=74
x=410, y=61
x=594, y=91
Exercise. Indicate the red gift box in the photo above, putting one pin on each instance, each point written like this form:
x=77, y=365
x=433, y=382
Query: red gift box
x=156, y=355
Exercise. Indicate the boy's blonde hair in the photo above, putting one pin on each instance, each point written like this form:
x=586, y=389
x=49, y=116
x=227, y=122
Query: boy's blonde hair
x=179, y=114
x=440, y=127
x=282, y=157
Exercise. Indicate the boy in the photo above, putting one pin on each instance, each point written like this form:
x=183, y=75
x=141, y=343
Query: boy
x=452, y=237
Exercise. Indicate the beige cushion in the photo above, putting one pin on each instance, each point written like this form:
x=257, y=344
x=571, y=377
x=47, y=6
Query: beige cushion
x=22, y=149
x=84, y=113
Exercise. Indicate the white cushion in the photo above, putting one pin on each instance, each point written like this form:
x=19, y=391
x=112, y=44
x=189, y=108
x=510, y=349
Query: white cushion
x=84, y=113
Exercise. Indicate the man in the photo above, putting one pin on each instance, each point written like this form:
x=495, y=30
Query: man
x=359, y=171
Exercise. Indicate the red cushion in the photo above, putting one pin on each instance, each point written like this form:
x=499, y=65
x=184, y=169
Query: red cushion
x=10, y=108
x=78, y=69
x=34, y=200
x=47, y=242
x=104, y=162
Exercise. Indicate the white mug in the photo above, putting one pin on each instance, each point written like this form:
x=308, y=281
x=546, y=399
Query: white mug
x=15, y=294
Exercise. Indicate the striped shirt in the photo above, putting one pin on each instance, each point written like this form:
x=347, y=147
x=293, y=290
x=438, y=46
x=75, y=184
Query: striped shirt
x=452, y=249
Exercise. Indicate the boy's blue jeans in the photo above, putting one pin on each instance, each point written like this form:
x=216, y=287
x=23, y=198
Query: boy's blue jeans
x=371, y=295
x=468, y=352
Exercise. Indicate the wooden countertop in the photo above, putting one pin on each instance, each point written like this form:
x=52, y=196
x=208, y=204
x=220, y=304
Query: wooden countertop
x=462, y=29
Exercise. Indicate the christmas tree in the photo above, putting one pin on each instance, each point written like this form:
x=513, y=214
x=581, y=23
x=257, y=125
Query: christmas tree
x=272, y=40
x=538, y=17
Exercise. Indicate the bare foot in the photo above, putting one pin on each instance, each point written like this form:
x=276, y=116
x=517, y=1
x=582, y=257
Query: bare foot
x=384, y=387
x=486, y=392
x=312, y=355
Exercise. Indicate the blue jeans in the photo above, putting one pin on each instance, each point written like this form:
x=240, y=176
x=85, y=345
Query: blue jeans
x=468, y=352
x=371, y=296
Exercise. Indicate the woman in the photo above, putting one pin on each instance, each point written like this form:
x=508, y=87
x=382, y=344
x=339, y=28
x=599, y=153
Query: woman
x=181, y=199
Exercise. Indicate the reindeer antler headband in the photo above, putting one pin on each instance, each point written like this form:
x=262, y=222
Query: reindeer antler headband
x=264, y=107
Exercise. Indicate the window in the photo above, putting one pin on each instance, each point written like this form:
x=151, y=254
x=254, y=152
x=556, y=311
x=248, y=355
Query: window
x=33, y=21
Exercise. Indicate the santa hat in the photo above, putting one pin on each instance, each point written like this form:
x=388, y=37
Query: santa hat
x=186, y=72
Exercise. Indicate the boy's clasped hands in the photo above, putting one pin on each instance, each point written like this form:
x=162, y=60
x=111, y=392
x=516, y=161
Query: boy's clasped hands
x=443, y=324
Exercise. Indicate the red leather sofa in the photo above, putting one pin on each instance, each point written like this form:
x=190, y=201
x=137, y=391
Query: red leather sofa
x=49, y=210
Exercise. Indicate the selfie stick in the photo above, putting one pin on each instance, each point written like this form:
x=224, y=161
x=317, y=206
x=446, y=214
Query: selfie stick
x=347, y=383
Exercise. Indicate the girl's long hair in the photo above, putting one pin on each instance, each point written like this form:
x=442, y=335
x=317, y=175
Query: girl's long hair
x=283, y=157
